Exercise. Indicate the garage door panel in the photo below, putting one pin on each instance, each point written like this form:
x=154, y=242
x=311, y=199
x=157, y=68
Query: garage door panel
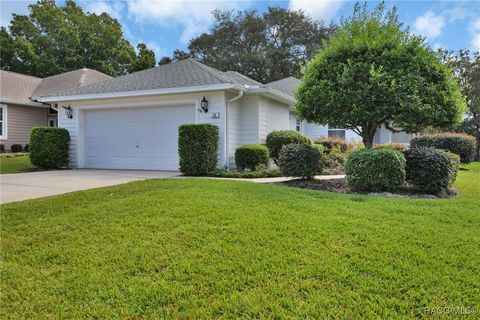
x=141, y=138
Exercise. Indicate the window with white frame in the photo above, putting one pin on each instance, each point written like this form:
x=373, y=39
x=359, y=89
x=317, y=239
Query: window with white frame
x=298, y=125
x=3, y=121
x=336, y=133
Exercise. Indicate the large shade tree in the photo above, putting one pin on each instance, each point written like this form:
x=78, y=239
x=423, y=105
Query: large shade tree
x=266, y=47
x=374, y=72
x=53, y=39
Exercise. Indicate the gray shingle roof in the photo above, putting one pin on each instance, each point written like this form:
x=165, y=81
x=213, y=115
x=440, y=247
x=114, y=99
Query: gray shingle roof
x=182, y=73
x=287, y=85
x=24, y=88
x=69, y=80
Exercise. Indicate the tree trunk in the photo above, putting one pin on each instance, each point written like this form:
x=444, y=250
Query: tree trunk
x=367, y=135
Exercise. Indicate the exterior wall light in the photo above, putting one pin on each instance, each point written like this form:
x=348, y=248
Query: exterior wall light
x=68, y=112
x=204, y=104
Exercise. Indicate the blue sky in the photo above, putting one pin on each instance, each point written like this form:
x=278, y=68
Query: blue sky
x=168, y=25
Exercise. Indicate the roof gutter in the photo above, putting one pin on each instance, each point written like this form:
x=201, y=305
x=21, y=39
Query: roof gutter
x=24, y=103
x=140, y=93
x=274, y=94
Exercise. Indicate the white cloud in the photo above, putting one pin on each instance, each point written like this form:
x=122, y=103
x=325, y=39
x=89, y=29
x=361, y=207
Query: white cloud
x=475, y=31
x=319, y=9
x=194, y=16
x=114, y=9
x=429, y=25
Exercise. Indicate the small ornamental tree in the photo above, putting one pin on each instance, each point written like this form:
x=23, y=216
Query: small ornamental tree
x=374, y=72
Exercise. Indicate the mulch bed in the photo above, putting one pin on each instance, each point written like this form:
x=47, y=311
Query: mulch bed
x=341, y=186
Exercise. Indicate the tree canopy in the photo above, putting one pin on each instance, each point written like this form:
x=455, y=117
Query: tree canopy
x=266, y=47
x=466, y=68
x=54, y=39
x=374, y=72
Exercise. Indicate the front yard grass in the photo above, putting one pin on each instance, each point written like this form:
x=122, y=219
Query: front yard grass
x=197, y=248
x=14, y=164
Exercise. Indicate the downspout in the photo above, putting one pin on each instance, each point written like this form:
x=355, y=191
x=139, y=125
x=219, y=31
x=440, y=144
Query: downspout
x=225, y=156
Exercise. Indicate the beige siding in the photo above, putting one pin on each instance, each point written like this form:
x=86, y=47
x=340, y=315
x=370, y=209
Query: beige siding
x=20, y=120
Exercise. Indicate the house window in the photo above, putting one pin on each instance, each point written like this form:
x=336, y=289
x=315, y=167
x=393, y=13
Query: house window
x=3, y=122
x=336, y=133
x=298, y=125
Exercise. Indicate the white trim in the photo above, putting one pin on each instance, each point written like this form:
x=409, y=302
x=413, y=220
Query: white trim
x=4, y=124
x=24, y=103
x=139, y=93
x=274, y=94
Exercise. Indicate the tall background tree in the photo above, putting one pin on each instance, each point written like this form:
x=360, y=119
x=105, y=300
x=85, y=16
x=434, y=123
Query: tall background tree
x=145, y=58
x=374, y=72
x=466, y=68
x=53, y=39
x=265, y=47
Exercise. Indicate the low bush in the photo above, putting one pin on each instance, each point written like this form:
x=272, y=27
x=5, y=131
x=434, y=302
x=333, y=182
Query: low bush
x=26, y=148
x=2, y=148
x=375, y=170
x=300, y=160
x=334, y=159
x=431, y=170
x=458, y=143
x=261, y=172
x=49, y=147
x=197, y=148
x=395, y=146
x=277, y=139
x=250, y=156
x=16, y=148
x=334, y=143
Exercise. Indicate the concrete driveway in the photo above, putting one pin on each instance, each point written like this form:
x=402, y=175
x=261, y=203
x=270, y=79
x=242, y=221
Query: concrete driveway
x=32, y=185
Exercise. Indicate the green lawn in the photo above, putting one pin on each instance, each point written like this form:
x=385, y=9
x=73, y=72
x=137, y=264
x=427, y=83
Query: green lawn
x=196, y=248
x=14, y=164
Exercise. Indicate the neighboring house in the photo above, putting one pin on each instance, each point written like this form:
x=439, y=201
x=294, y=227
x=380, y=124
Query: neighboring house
x=19, y=108
x=131, y=122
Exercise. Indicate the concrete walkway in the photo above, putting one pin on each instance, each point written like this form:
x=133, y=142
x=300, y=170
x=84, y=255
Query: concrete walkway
x=32, y=185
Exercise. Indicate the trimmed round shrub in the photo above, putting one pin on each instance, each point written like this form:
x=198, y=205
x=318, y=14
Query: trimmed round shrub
x=49, y=147
x=431, y=170
x=16, y=148
x=458, y=143
x=26, y=148
x=250, y=156
x=332, y=143
x=375, y=170
x=197, y=148
x=395, y=146
x=2, y=148
x=300, y=160
x=279, y=138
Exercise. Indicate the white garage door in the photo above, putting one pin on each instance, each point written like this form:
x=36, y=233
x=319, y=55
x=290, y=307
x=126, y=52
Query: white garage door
x=140, y=138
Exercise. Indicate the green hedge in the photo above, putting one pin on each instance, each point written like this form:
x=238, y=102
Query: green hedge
x=395, y=146
x=431, y=170
x=250, y=156
x=197, y=148
x=279, y=138
x=300, y=160
x=49, y=147
x=375, y=170
x=458, y=143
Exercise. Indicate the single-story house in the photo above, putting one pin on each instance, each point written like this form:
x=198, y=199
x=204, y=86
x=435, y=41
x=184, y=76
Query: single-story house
x=131, y=122
x=19, y=106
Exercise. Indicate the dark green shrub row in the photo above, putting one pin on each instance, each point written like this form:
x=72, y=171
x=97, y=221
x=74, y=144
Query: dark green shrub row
x=332, y=143
x=375, y=170
x=49, y=147
x=197, y=148
x=430, y=169
x=277, y=139
x=250, y=156
x=16, y=148
x=458, y=143
x=300, y=160
x=395, y=146
x=260, y=172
